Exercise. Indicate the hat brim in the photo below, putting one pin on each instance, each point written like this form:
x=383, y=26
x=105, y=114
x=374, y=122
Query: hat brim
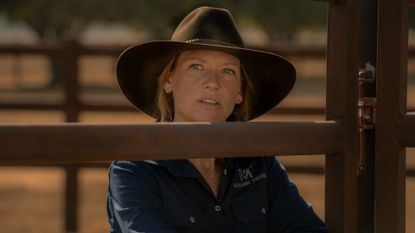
x=139, y=67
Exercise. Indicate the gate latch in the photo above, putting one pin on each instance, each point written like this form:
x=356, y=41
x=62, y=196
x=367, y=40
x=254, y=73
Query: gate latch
x=366, y=105
x=366, y=115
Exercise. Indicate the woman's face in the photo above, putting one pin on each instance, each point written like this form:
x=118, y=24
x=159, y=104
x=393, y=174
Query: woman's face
x=205, y=85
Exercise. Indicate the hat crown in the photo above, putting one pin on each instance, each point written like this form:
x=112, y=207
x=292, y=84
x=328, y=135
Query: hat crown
x=208, y=25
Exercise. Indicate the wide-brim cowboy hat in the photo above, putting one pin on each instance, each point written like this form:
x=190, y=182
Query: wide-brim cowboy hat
x=139, y=66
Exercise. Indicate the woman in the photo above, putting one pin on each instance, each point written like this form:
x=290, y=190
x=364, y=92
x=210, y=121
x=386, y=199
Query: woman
x=204, y=73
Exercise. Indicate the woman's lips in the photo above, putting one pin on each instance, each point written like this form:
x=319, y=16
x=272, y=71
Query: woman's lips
x=209, y=101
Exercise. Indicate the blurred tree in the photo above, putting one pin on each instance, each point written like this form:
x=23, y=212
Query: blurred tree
x=49, y=18
x=280, y=19
x=52, y=18
x=411, y=17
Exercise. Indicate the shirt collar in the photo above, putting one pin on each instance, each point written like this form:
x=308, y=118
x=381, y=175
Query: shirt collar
x=180, y=168
x=183, y=167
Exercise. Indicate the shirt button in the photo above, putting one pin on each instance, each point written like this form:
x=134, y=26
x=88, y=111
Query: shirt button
x=218, y=208
x=225, y=172
x=192, y=219
x=263, y=210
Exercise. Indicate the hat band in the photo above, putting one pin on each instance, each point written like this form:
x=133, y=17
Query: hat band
x=211, y=41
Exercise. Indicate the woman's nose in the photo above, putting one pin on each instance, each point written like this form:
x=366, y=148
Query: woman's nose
x=212, y=80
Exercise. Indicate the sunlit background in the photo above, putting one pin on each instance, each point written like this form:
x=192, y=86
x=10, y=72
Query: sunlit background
x=32, y=85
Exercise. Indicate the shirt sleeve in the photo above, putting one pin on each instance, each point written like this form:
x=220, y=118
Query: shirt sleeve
x=289, y=213
x=134, y=203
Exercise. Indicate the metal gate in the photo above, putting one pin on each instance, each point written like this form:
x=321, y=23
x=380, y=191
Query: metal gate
x=364, y=137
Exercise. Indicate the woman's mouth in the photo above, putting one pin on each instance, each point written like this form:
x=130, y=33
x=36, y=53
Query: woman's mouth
x=209, y=101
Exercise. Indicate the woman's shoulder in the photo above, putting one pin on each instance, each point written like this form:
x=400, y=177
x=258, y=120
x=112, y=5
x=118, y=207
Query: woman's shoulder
x=262, y=163
x=134, y=163
x=248, y=161
x=134, y=166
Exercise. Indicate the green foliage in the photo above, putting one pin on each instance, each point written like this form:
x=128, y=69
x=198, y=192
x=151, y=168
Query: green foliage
x=278, y=18
x=282, y=18
x=411, y=17
x=45, y=16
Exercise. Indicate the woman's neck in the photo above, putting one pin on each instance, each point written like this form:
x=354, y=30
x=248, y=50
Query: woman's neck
x=207, y=164
x=210, y=169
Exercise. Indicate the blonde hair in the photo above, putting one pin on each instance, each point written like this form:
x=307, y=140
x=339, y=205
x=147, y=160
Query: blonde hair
x=165, y=105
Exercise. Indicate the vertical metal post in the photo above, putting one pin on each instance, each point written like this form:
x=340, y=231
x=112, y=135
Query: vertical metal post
x=342, y=72
x=391, y=106
x=71, y=87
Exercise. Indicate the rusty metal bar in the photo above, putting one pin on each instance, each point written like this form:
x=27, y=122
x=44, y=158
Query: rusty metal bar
x=391, y=108
x=342, y=71
x=75, y=143
x=407, y=130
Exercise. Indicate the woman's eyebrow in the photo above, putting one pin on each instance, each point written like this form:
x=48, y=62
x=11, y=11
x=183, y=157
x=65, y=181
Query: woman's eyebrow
x=232, y=63
x=196, y=58
x=199, y=59
x=204, y=60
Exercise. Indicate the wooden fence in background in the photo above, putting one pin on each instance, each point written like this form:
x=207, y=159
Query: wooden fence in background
x=359, y=32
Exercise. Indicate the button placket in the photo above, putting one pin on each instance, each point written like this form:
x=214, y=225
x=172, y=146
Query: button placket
x=218, y=208
x=192, y=219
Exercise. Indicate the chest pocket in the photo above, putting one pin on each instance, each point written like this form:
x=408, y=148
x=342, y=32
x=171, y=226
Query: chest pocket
x=179, y=216
x=251, y=214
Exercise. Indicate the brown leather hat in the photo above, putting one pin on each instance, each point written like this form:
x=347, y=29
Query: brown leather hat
x=139, y=66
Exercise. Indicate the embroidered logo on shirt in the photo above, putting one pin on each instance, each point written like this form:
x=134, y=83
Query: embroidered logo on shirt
x=245, y=174
x=250, y=181
x=246, y=177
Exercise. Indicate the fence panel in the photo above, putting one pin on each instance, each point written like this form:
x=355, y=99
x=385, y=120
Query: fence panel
x=342, y=68
x=77, y=143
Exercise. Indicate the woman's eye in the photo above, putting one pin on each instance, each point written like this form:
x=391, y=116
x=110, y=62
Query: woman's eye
x=228, y=71
x=196, y=67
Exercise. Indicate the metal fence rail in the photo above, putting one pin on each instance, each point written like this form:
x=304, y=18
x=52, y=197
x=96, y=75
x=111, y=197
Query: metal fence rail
x=78, y=143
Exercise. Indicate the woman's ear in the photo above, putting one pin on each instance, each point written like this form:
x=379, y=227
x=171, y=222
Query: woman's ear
x=239, y=98
x=168, y=86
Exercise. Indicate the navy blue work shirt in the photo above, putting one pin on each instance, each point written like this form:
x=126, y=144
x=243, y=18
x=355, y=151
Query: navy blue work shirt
x=170, y=196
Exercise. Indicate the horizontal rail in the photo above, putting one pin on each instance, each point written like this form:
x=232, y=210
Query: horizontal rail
x=42, y=49
x=408, y=130
x=79, y=143
x=115, y=50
